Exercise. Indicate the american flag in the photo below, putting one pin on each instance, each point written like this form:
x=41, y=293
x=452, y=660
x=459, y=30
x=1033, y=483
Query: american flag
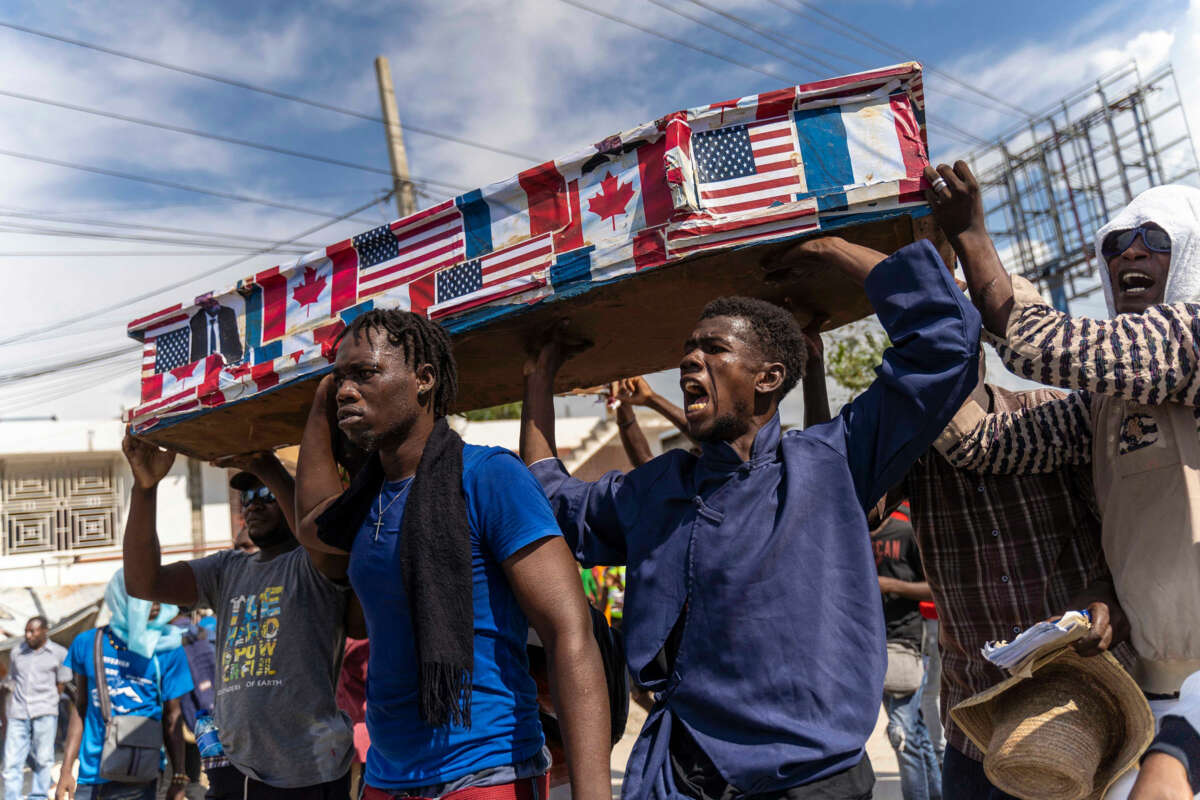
x=491, y=277
x=172, y=349
x=744, y=167
x=409, y=248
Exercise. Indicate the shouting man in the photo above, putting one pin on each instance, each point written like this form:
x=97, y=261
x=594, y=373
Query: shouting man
x=454, y=552
x=767, y=684
x=1133, y=416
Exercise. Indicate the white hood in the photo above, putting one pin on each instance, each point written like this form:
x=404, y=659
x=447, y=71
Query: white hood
x=1176, y=209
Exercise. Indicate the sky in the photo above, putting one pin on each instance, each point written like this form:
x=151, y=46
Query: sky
x=536, y=78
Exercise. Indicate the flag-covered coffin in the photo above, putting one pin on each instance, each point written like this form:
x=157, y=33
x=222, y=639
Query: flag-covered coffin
x=629, y=238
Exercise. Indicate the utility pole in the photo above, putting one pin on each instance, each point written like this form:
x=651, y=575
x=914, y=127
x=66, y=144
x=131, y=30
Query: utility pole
x=406, y=201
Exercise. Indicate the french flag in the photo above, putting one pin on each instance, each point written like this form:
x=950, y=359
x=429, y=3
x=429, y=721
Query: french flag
x=856, y=145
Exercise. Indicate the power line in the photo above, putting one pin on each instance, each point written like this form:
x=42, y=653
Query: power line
x=270, y=148
x=122, y=253
x=142, y=226
x=866, y=37
x=772, y=37
x=85, y=360
x=92, y=313
x=112, y=173
x=680, y=42
x=240, y=247
x=408, y=126
x=734, y=36
x=959, y=133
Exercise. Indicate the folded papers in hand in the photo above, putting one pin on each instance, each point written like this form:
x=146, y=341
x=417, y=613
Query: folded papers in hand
x=1036, y=641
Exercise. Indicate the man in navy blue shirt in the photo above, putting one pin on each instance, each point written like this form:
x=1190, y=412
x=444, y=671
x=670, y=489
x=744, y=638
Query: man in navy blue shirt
x=453, y=554
x=752, y=606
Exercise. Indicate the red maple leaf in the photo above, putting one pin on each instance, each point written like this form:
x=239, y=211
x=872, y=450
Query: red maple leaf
x=184, y=372
x=310, y=290
x=613, y=198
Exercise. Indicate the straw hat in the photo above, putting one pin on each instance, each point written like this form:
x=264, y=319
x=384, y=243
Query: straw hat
x=1064, y=729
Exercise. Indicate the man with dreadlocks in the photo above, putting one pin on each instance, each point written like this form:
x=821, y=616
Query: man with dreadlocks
x=454, y=553
x=752, y=605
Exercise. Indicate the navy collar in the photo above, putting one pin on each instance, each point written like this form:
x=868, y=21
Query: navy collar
x=721, y=457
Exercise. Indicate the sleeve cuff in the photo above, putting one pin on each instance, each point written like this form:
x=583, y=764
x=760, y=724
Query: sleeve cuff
x=1179, y=740
x=964, y=421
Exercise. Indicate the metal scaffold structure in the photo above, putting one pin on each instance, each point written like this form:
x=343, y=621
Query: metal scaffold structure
x=1051, y=182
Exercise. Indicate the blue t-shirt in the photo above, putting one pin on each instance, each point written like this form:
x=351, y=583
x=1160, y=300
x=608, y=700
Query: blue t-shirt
x=133, y=689
x=507, y=510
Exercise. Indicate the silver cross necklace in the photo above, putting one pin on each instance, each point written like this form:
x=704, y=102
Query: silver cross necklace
x=382, y=509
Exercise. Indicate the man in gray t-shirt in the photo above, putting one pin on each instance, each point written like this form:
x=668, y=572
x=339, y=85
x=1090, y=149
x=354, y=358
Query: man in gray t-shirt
x=280, y=619
x=36, y=674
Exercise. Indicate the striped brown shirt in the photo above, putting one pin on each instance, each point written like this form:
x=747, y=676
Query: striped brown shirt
x=1133, y=418
x=1000, y=552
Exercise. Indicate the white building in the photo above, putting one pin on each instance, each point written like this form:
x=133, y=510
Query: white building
x=64, y=494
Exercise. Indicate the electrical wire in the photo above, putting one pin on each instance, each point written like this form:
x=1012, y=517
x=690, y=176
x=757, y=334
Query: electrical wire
x=680, y=42
x=242, y=247
x=270, y=148
x=407, y=127
x=735, y=37
x=865, y=37
x=129, y=301
x=20, y=214
x=112, y=173
x=745, y=23
x=124, y=253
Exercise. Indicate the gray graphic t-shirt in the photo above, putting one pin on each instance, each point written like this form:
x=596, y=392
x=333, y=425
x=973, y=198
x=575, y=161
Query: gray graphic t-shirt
x=279, y=648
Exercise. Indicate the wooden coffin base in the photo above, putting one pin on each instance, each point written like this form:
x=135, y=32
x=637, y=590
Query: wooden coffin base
x=637, y=326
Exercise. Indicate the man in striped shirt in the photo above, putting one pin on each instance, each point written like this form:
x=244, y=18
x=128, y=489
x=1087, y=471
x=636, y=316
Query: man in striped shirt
x=1133, y=415
x=1000, y=553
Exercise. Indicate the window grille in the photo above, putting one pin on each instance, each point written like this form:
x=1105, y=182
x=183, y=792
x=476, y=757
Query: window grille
x=60, y=505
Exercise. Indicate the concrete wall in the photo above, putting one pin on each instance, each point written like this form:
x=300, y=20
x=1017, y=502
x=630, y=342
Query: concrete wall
x=61, y=443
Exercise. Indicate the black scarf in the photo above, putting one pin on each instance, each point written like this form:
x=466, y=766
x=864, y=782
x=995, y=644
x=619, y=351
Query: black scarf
x=435, y=564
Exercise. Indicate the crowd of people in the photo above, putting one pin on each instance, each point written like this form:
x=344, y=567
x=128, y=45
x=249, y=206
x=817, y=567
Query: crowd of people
x=772, y=588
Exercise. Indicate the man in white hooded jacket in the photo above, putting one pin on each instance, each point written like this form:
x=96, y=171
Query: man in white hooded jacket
x=1134, y=415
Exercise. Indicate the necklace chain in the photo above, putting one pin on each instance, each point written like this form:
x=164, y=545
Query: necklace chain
x=383, y=510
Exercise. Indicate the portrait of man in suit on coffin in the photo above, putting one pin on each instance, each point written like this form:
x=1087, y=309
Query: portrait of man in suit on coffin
x=215, y=330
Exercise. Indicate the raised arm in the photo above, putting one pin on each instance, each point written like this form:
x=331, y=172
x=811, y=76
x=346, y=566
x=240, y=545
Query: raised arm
x=958, y=208
x=1149, y=358
x=318, y=482
x=1037, y=439
x=145, y=575
x=633, y=438
x=637, y=392
x=816, y=394
x=926, y=374
x=589, y=514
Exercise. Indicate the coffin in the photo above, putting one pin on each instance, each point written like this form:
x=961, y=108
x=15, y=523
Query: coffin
x=629, y=238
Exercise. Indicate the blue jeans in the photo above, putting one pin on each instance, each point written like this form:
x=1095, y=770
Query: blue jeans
x=23, y=735
x=116, y=791
x=920, y=775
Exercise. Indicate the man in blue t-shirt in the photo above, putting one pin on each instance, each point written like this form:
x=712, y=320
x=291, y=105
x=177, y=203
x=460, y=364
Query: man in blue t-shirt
x=453, y=554
x=137, y=686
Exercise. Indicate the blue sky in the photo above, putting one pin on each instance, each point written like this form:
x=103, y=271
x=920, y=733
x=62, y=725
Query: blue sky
x=538, y=77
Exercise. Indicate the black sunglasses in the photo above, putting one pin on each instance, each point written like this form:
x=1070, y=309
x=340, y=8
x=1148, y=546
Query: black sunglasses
x=1118, y=242
x=258, y=493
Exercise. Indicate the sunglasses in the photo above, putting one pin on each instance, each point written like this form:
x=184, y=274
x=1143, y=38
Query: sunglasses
x=1118, y=242
x=258, y=493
